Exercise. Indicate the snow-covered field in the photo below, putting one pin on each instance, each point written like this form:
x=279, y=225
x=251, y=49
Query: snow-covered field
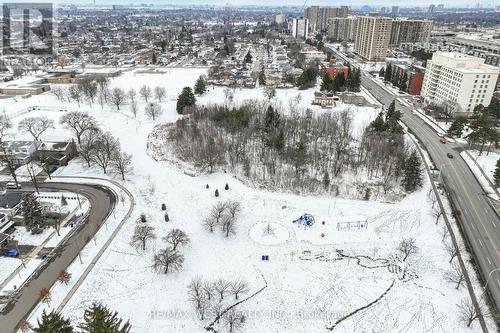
x=487, y=161
x=314, y=276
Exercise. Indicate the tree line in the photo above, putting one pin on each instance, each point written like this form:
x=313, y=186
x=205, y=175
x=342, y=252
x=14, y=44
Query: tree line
x=96, y=319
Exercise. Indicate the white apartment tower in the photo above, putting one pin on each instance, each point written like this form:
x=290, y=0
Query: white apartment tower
x=459, y=81
x=373, y=34
x=300, y=28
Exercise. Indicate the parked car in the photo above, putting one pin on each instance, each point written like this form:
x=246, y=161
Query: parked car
x=12, y=186
x=10, y=253
x=450, y=155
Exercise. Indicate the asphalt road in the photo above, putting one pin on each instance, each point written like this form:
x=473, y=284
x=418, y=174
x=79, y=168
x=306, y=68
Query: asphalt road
x=479, y=220
x=102, y=200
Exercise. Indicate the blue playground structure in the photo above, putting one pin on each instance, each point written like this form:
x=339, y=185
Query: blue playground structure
x=307, y=220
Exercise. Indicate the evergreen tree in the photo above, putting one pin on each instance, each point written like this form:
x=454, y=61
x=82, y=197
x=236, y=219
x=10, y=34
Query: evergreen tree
x=354, y=80
x=392, y=119
x=482, y=122
x=457, y=127
x=327, y=83
x=339, y=82
x=200, y=86
x=412, y=173
x=99, y=319
x=496, y=175
x=262, y=79
x=185, y=99
x=388, y=73
x=381, y=73
x=248, y=58
x=32, y=214
x=378, y=124
x=53, y=323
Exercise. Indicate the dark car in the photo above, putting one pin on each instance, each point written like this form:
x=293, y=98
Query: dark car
x=450, y=155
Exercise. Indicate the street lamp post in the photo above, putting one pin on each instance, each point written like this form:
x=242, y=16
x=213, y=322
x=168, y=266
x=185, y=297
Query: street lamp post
x=489, y=275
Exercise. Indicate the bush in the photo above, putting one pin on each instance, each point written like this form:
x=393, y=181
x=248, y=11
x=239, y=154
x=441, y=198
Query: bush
x=227, y=187
x=216, y=193
x=163, y=207
x=207, y=186
x=167, y=219
x=143, y=218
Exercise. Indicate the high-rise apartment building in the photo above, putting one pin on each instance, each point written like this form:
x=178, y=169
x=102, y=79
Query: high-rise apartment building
x=410, y=31
x=300, y=27
x=459, y=81
x=373, y=34
x=342, y=28
x=318, y=16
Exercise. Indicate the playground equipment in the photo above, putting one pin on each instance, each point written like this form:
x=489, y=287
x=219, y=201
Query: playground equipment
x=307, y=220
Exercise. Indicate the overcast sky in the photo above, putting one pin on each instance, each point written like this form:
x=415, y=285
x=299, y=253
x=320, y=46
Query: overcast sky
x=354, y=3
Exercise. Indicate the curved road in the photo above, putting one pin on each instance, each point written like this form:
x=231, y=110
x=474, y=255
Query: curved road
x=102, y=201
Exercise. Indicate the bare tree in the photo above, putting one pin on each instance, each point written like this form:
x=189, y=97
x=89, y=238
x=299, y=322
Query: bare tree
x=153, y=110
x=234, y=320
x=118, y=97
x=6, y=155
x=444, y=232
x=131, y=94
x=88, y=86
x=145, y=92
x=143, y=233
x=79, y=122
x=197, y=296
x=467, y=311
x=222, y=287
x=407, y=247
x=269, y=92
x=454, y=275
x=88, y=144
x=134, y=107
x=228, y=225
x=76, y=94
x=233, y=208
x=452, y=250
x=208, y=290
x=239, y=287
x=160, y=93
x=122, y=163
x=176, y=237
x=168, y=260
x=215, y=216
x=58, y=92
x=103, y=97
x=35, y=126
x=106, y=147
x=437, y=213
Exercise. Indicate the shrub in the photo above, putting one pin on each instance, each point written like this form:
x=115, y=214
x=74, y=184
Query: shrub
x=216, y=193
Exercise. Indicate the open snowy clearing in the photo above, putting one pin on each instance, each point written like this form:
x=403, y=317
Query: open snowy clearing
x=314, y=276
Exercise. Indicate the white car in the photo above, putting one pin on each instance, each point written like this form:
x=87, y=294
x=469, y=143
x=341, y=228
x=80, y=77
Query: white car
x=12, y=186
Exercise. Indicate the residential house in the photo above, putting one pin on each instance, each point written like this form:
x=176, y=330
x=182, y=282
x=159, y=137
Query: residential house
x=57, y=153
x=325, y=100
x=20, y=152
